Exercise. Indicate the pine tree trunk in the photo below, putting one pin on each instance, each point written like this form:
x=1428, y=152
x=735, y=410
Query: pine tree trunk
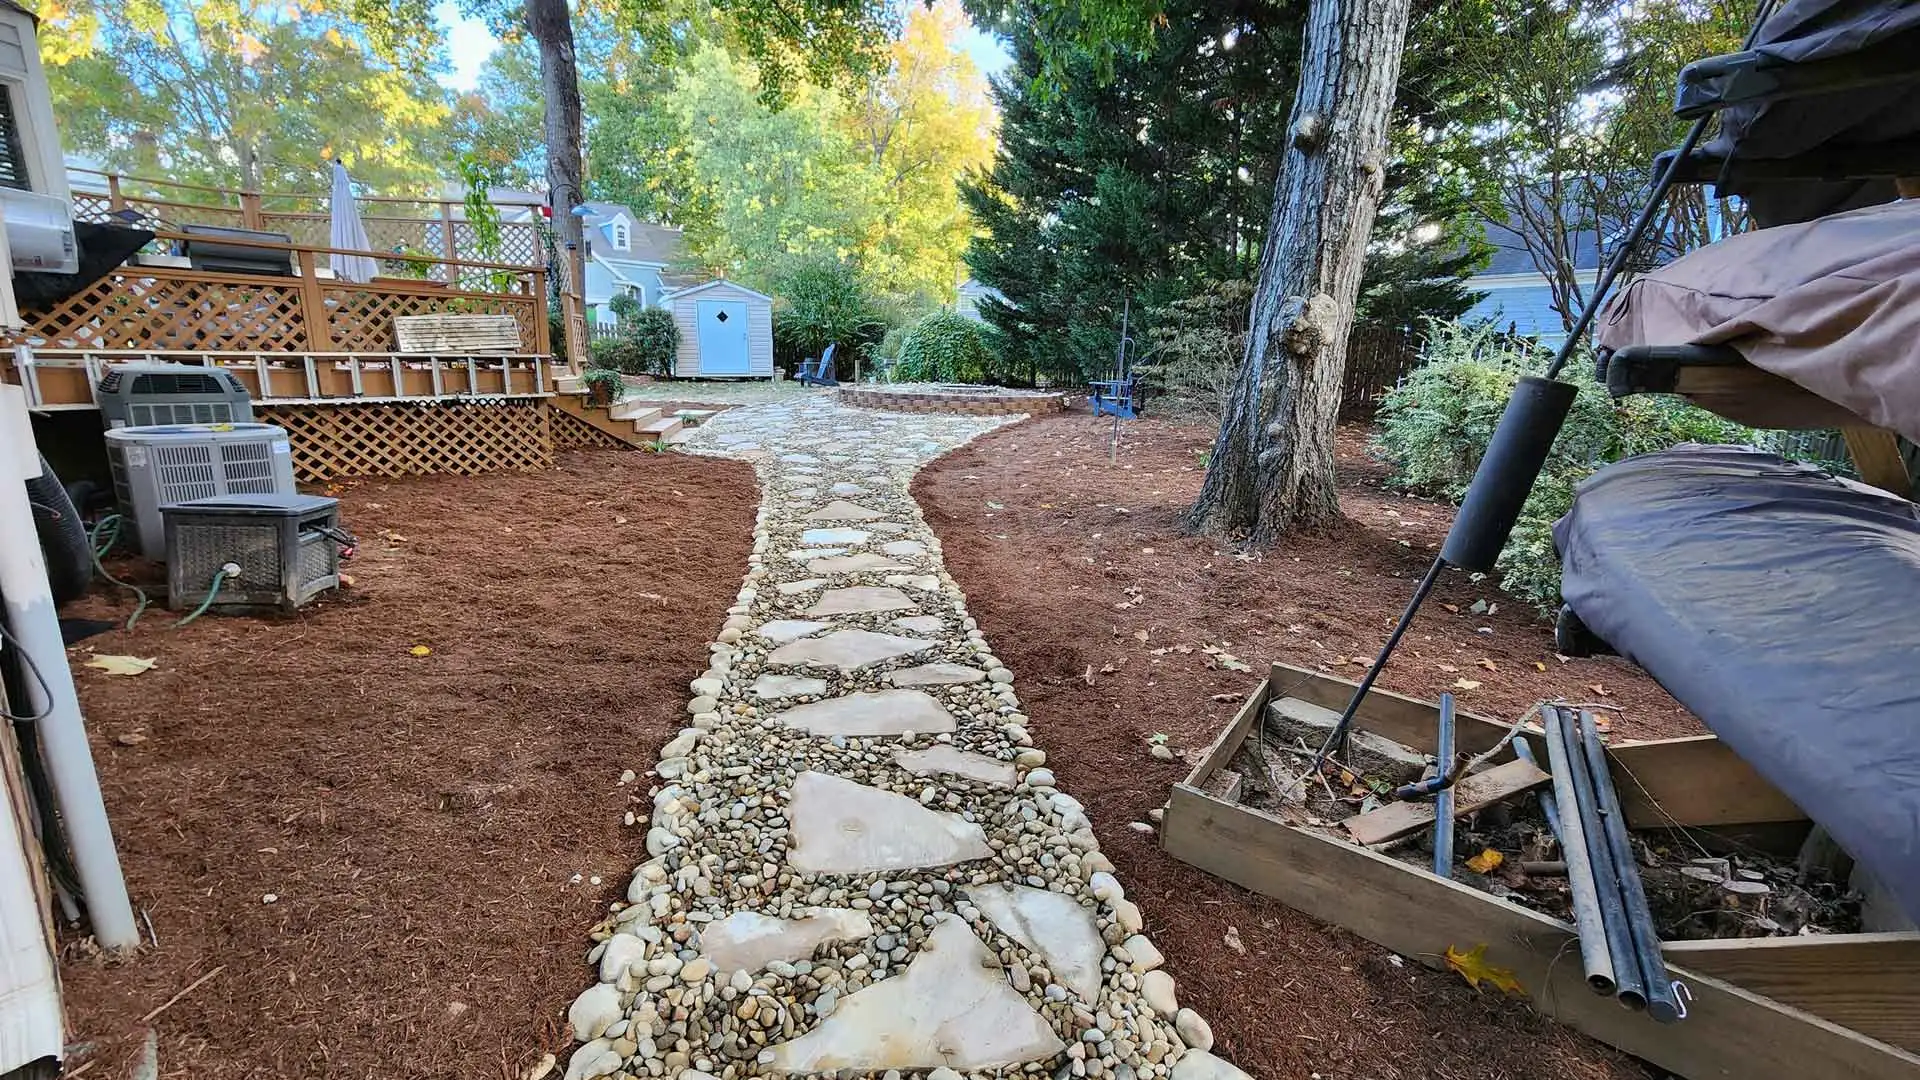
x=1272, y=465
x=552, y=28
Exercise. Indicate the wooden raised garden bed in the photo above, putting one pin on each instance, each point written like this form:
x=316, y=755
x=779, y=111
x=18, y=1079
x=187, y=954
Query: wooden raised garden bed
x=1825, y=1005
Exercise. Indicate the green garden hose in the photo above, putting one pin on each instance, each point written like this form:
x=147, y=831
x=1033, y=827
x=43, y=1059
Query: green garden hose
x=219, y=576
x=111, y=526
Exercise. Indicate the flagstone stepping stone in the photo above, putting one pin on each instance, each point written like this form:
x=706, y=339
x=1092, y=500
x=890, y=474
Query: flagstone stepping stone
x=842, y=510
x=1200, y=1065
x=839, y=562
x=806, y=554
x=923, y=582
x=939, y=673
x=749, y=941
x=951, y=1008
x=905, y=549
x=800, y=459
x=841, y=827
x=848, y=650
x=860, y=599
x=920, y=624
x=844, y=488
x=778, y=686
x=947, y=760
x=834, y=536
x=791, y=588
x=782, y=630
x=871, y=712
x=1051, y=924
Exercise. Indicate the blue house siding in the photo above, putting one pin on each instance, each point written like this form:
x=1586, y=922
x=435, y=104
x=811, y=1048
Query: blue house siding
x=1527, y=308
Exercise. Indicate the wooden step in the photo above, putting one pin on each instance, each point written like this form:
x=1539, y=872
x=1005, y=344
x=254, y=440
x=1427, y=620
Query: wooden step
x=636, y=410
x=661, y=429
x=695, y=417
x=570, y=384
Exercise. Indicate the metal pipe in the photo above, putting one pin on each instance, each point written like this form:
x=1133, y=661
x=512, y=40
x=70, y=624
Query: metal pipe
x=63, y=735
x=1549, y=806
x=1443, y=803
x=1594, y=957
x=1629, y=987
x=1658, y=989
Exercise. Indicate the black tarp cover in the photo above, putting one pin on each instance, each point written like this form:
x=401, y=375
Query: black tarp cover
x=1781, y=606
x=1827, y=33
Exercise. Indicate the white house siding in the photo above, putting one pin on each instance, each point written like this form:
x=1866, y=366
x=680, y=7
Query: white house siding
x=759, y=329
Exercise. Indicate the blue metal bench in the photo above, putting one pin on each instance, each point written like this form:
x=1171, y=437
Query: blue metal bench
x=1117, y=397
x=818, y=371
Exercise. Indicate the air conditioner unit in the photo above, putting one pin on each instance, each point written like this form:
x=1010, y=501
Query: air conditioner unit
x=261, y=551
x=143, y=395
x=39, y=232
x=155, y=467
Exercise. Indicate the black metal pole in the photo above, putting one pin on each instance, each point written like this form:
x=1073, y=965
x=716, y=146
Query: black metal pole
x=1629, y=987
x=1549, y=806
x=1658, y=989
x=1594, y=955
x=1338, y=736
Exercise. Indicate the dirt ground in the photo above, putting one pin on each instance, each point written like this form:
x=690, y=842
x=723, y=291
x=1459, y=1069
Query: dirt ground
x=392, y=859
x=1081, y=578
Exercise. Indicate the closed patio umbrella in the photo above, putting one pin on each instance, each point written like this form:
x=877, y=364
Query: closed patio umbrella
x=346, y=231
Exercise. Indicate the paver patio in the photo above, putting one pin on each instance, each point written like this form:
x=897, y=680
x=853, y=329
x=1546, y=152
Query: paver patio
x=858, y=863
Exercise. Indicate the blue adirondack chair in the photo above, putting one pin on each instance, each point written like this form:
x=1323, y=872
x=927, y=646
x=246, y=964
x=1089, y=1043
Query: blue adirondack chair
x=1117, y=397
x=819, y=371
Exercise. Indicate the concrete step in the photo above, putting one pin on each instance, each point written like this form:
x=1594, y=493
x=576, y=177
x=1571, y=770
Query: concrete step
x=635, y=410
x=661, y=429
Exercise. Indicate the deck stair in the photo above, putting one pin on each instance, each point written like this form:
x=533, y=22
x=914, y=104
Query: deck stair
x=648, y=424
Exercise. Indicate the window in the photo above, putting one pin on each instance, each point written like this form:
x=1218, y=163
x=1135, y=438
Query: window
x=13, y=155
x=620, y=235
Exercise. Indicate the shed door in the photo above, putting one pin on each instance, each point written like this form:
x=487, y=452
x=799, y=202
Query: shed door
x=723, y=336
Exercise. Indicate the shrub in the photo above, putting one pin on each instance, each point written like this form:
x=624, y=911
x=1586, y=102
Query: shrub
x=944, y=346
x=1196, y=344
x=823, y=302
x=625, y=305
x=1435, y=426
x=604, y=386
x=646, y=345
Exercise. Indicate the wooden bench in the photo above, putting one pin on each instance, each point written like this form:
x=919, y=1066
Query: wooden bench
x=459, y=335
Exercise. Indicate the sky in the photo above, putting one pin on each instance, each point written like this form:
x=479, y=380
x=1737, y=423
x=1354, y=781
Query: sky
x=470, y=44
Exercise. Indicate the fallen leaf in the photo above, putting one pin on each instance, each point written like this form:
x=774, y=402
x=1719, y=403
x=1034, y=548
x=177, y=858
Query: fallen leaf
x=1226, y=697
x=1601, y=689
x=420, y=650
x=1455, y=608
x=1540, y=665
x=1465, y=684
x=131, y=738
x=1479, y=607
x=1139, y=635
x=1232, y=938
x=1448, y=668
x=1488, y=664
x=347, y=580
x=1088, y=676
x=1472, y=966
x=1486, y=862
x=619, y=521
x=122, y=665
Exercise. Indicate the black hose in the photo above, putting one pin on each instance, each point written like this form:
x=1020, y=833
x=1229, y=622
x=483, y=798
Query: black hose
x=1658, y=996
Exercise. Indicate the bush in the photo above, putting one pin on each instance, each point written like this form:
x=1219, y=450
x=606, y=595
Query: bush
x=647, y=345
x=1435, y=426
x=944, y=347
x=823, y=302
x=604, y=386
x=1196, y=344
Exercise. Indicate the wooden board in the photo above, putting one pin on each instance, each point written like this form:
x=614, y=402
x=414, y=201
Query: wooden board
x=1876, y=456
x=1395, y=820
x=458, y=335
x=1867, y=982
x=1695, y=780
x=1405, y=720
x=1746, y=394
x=1731, y=1033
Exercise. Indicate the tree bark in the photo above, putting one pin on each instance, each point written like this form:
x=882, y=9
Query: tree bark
x=1272, y=465
x=552, y=28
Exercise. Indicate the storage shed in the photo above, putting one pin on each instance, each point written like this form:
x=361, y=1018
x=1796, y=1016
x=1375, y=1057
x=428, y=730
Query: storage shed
x=726, y=331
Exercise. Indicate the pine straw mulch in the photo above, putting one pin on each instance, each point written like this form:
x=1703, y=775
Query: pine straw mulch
x=1085, y=584
x=436, y=833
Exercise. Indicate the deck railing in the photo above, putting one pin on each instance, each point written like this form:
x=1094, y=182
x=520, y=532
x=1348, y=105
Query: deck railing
x=161, y=303
x=57, y=379
x=436, y=228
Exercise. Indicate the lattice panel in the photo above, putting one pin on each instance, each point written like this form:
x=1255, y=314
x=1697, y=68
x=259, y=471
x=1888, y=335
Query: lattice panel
x=572, y=433
x=312, y=229
x=331, y=441
x=98, y=207
x=135, y=311
x=519, y=243
x=362, y=319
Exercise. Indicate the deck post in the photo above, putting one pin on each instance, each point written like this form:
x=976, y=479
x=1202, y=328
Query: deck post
x=313, y=302
x=116, y=200
x=250, y=216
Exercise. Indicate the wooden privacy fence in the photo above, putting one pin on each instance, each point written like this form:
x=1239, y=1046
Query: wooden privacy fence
x=159, y=304
x=434, y=228
x=1377, y=358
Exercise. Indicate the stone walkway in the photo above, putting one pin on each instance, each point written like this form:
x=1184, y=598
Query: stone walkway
x=859, y=864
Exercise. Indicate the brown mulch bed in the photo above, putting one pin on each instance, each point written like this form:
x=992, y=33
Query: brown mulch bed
x=1078, y=570
x=436, y=833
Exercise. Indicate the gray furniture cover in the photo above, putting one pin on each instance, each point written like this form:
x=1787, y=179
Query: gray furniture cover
x=1781, y=606
x=1832, y=305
